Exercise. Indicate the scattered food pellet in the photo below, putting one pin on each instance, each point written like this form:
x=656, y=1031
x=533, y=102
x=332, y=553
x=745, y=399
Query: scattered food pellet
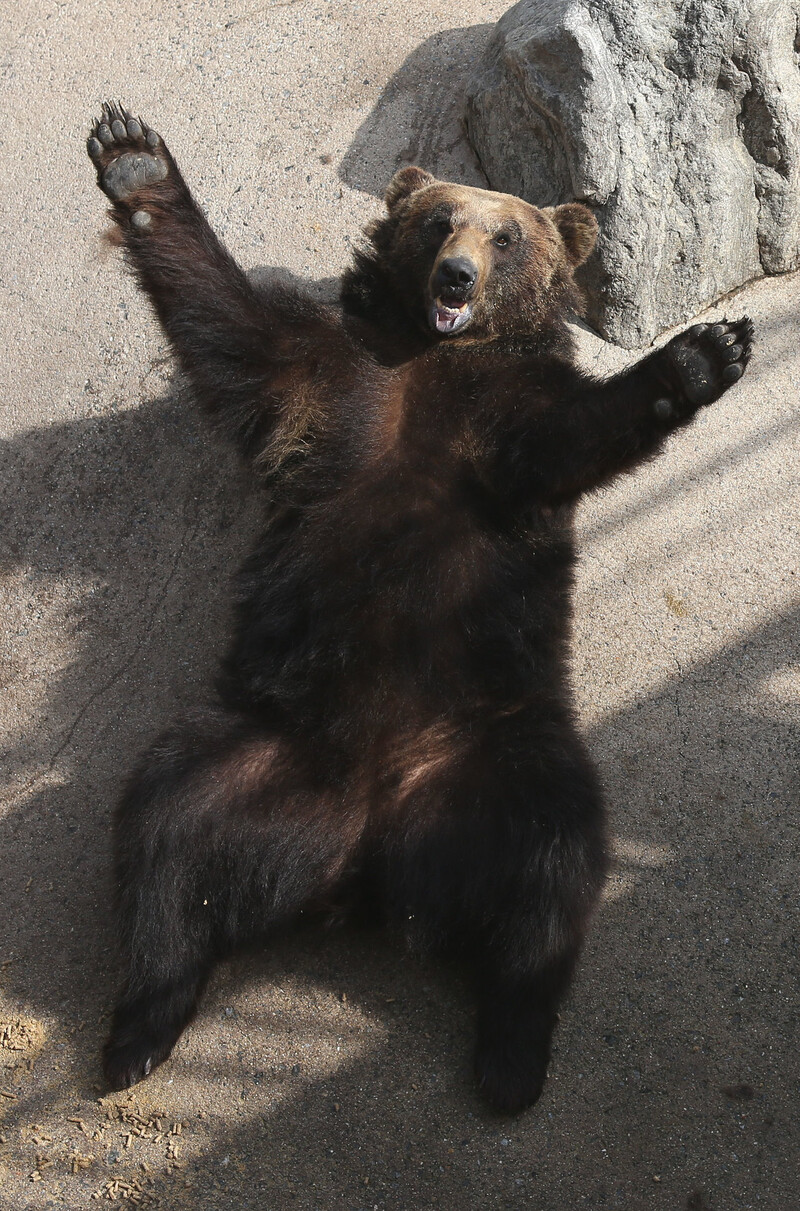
x=21, y=1034
x=675, y=604
x=120, y=1188
x=78, y=1162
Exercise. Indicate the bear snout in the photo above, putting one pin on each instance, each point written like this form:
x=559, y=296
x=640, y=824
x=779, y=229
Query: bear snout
x=454, y=278
x=452, y=287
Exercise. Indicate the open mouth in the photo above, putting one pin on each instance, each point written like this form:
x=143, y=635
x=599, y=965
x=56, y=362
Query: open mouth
x=448, y=317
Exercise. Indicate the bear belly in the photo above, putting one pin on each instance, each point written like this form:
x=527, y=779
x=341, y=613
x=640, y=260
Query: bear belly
x=403, y=617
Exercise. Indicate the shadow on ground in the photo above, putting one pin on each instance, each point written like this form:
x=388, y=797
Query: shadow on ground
x=418, y=119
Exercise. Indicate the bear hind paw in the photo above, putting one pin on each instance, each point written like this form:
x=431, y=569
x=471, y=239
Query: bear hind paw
x=126, y=1061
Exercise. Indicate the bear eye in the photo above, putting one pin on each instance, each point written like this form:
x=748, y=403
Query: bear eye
x=502, y=239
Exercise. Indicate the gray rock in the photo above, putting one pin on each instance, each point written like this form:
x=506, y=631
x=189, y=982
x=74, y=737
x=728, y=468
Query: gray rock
x=677, y=120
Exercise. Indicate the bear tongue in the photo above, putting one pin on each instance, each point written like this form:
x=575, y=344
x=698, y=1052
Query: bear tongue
x=447, y=319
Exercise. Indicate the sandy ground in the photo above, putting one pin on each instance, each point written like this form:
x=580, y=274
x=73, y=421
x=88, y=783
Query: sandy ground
x=333, y=1072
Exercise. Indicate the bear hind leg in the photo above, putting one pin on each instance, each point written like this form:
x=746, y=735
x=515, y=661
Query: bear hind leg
x=505, y=867
x=516, y=1021
x=221, y=835
x=146, y=1027
x=529, y=963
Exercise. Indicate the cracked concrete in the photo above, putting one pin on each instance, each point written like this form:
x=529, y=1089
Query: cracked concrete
x=332, y=1072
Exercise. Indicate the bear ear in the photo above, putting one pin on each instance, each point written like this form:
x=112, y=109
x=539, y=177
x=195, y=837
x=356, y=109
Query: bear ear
x=577, y=227
x=405, y=182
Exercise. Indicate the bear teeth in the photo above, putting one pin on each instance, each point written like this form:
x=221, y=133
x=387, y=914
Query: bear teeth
x=447, y=317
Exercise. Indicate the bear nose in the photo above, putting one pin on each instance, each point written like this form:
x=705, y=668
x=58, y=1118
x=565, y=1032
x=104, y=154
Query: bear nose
x=455, y=273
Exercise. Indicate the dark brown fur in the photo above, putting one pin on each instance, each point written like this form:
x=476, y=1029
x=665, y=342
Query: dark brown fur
x=394, y=717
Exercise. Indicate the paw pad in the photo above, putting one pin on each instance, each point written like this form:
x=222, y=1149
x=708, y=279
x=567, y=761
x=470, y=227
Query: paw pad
x=127, y=154
x=707, y=359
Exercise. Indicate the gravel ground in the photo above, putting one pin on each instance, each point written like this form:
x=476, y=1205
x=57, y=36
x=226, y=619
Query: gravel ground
x=333, y=1072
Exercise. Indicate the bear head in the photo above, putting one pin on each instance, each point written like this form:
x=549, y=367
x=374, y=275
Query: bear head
x=458, y=259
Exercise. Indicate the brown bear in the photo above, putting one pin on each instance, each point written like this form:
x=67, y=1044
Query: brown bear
x=393, y=723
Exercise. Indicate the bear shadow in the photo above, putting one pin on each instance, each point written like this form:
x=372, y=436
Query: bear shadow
x=418, y=117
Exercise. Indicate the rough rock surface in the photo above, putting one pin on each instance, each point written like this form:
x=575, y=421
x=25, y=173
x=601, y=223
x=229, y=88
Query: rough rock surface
x=679, y=121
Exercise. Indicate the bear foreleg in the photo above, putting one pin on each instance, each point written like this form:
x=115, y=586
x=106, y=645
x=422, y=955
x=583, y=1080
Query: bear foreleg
x=577, y=444
x=231, y=339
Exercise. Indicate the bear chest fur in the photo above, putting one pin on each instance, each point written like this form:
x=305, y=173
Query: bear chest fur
x=407, y=580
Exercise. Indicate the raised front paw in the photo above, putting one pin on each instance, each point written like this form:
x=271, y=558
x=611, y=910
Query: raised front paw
x=127, y=154
x=706, y=360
